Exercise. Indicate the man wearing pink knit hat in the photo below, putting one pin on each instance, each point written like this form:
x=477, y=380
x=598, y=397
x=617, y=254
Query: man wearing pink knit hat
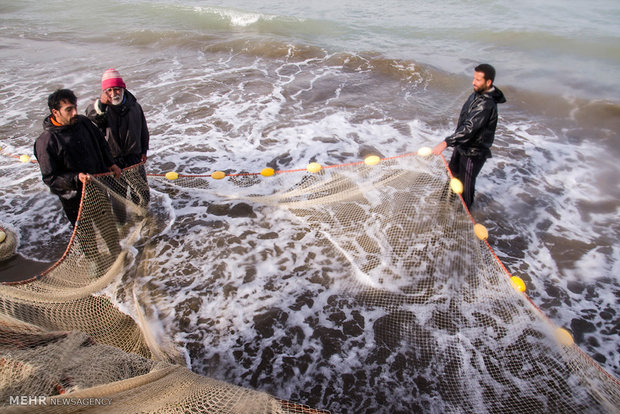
x=110, y=79
x=120, y=118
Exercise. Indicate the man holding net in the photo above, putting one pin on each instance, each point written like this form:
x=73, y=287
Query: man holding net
x=475, y=131
x=121, y=119
x=69, y=149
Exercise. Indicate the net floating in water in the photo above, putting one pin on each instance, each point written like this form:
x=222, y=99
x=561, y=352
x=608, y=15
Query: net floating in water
x=445, y=329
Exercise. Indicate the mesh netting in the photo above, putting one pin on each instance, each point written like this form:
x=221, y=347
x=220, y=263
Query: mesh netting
x=450, y=316
x=8, y=243
x=65, y=347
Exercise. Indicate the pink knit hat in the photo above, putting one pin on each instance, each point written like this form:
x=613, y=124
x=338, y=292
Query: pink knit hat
x=111, y=79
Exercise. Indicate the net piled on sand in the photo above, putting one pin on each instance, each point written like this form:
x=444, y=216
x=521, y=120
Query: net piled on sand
x=64, y=347
x=450, y=316
x=8, y=243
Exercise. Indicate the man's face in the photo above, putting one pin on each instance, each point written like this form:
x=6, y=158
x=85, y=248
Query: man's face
x=480, y=83
x=115, y=95
x=67, y=114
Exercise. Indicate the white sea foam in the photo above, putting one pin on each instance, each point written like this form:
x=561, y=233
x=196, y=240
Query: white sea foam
x=235, y=17
x=541, y=195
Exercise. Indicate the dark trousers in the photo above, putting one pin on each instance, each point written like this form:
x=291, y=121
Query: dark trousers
x=71, y=207
x=466, y=169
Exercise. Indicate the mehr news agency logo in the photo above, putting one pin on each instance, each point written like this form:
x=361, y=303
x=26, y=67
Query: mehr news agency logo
x=42, y=400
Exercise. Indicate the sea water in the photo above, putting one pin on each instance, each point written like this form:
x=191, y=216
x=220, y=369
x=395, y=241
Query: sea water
x=240, y=85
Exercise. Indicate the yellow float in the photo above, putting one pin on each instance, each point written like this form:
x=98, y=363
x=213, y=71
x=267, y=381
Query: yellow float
x=24, y=158
x=425, y=151
x=218, y=175
x=2, y=236
x=267, y=172
x=314, y=167
x=481, y=232
x=172, y=175
x=372, y=160
x=564, y=337
x=518, y=283
x=456, y=185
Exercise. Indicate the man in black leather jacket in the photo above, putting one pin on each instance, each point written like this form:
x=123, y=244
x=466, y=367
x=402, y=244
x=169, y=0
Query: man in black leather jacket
x=70, y=148
x=475, y=131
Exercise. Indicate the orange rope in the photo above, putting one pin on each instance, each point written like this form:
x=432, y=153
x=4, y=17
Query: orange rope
x=8, y=154
x=540, y=312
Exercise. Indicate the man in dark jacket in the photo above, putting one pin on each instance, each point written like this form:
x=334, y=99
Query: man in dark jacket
x=475, y=131
x=120, y=118
x=69, y=149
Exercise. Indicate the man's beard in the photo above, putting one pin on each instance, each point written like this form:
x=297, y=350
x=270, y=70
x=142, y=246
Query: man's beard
x=482, y=89
x=118, y=99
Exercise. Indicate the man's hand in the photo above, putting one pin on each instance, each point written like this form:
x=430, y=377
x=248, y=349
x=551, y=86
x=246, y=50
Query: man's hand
x=440, y=147
x=84, y=177
x=143, y=158
x=104, y=98
x=116, y=171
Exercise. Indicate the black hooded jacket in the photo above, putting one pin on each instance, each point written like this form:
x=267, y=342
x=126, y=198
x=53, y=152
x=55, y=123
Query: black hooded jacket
x=124, y=127
x=475, y=130
x=65, y=151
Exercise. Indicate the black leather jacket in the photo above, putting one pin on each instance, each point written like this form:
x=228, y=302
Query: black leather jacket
x=475, y=130
x=65, y=151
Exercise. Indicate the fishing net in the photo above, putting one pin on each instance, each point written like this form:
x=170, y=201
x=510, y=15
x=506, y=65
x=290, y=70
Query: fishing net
x=445, y=311
x=8, y=243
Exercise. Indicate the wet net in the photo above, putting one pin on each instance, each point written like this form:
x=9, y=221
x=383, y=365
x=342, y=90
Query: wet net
x=446, y=329
x=8, y=243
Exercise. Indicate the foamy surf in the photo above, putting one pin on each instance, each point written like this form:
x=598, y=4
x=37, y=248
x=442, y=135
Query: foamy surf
x=240, y=91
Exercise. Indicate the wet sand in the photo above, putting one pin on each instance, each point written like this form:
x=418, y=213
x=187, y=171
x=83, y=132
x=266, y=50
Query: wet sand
x=19, y=268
